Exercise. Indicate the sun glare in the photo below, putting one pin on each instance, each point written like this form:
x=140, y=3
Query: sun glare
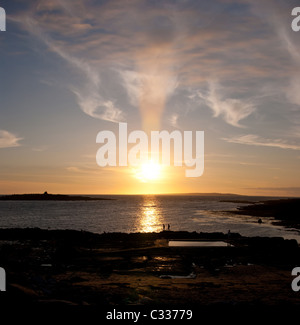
x=149, y=171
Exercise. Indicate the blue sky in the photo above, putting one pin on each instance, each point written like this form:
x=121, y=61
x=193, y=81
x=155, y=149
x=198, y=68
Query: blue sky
x=70, y=69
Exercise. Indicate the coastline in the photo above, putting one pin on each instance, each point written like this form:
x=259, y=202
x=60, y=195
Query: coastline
x=71, y=267
x=49, y=197
x=285, y=212
x=68, y=267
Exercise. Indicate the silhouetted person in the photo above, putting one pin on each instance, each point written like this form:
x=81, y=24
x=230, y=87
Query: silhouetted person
x=228, y=238
x=168, y=227
x=259, y=221
x=164, y=227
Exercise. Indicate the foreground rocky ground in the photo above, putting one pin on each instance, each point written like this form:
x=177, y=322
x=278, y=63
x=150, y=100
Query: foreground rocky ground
x=64, y=267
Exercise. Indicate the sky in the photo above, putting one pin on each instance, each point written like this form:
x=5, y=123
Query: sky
x=72, y=68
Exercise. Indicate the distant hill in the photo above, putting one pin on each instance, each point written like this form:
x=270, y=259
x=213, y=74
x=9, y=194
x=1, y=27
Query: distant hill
x=48, y=197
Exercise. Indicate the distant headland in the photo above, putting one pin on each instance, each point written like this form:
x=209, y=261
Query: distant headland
x=49, y=197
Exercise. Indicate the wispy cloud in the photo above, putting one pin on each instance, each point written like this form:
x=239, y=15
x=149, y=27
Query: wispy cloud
x=156, y=49
x=89, y=91
x=92, y=103
x=149, y=90
x=255, y=140
x=8, y=140
x=174, y=120
x=165, y=47
x=292, y=47
x=277, y=14
x=232, y=110
x=41, y=148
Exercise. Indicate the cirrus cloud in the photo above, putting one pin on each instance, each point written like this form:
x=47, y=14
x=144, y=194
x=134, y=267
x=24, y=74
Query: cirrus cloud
x=8, y=139
x=255, y=140
x=232, y=110
x=162, y=48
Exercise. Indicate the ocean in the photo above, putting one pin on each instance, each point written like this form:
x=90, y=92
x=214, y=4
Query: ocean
x=141, y=213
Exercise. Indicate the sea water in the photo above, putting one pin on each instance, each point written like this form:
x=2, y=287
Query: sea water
x=199, y=243
x=141, y=213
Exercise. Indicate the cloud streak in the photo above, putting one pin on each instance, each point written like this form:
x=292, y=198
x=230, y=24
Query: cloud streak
x=149, y=90
x=156, y=49
x=88, y=92
x=160, y=49
x=232, y=110
x=255, y=140
x=278, y=15
x=8, y=140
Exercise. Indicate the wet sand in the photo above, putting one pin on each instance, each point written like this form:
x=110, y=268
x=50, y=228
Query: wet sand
x=64, y=267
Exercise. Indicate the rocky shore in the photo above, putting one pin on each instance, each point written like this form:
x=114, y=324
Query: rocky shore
x=66, y=267
x=285, y=212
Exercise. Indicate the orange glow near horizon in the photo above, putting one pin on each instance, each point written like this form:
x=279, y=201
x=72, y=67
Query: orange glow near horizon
x=124, y=181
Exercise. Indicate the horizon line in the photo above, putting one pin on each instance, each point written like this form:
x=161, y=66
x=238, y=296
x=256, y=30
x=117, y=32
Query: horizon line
x=157, y=194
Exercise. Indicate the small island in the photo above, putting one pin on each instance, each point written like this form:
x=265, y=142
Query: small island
x=49, y=197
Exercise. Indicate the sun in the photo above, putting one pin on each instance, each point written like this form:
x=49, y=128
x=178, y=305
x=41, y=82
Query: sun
x=148, y=172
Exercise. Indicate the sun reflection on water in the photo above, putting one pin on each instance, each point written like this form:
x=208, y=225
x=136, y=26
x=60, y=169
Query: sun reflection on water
x=150, y=219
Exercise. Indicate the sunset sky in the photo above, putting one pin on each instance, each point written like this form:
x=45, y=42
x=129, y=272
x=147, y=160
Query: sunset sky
x=72, y=68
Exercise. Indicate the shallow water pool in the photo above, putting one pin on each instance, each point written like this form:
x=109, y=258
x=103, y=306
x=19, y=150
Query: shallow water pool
x=182, y=243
